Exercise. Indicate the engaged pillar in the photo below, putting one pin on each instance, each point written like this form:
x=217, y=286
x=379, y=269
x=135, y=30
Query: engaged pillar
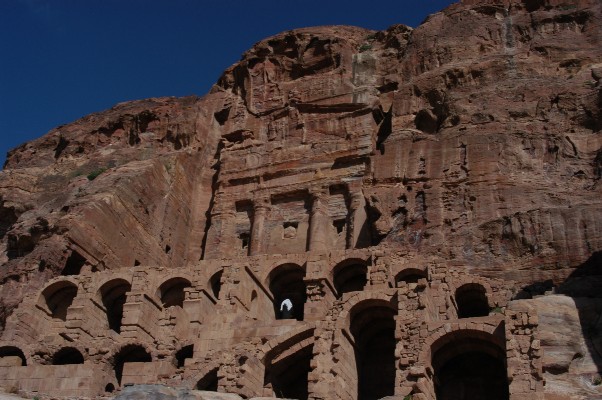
x=260, y=209
x=357, y=211
x=318, y=222
x=221, y=235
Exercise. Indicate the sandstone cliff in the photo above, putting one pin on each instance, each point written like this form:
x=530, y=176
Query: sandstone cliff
x=472, y=140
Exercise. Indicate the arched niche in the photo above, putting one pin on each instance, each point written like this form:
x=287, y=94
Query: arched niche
x=67, y=355
x=409, y=275
x=287, y=372
x=129, y=353
x=350, y=276
x=373, y=330
x=215, y=283
x=286, y=283
x=113, y=295
x=471, y=299
x=469, y=365
x=171, y=292
x=12, y=356
x=58, y=297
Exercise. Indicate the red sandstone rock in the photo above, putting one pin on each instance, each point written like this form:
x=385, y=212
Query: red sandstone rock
x=464, y=152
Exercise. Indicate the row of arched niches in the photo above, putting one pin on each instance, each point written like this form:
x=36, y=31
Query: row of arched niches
x=359, y=326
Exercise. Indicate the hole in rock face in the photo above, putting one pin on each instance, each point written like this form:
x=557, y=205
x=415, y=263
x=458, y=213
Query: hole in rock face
x=74, y=264
x=244, y=240
x=339, y=224
x=182, y=354
x=109, y=388
x=289, y=230
x=209, y=382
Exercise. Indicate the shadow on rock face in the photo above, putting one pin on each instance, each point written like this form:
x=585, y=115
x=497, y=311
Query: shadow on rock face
x=570, y=328
x=584, y=285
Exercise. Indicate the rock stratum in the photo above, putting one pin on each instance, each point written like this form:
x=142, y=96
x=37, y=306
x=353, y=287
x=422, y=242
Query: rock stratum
x=428, y=200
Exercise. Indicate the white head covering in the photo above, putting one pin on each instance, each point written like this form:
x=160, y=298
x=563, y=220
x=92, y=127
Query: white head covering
x=286, y=303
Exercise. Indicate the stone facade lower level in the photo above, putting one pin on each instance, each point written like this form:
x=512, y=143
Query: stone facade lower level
x=364, y=324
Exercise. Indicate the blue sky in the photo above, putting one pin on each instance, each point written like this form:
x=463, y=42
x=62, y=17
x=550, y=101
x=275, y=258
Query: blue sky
x=63, y=59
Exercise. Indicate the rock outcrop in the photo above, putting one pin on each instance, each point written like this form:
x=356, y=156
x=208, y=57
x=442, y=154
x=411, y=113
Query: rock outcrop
x=387, y=178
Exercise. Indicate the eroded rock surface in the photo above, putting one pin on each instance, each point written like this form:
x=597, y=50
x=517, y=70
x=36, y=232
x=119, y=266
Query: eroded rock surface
x=418, y=171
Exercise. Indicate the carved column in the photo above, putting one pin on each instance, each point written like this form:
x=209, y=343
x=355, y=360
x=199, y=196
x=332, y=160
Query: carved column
x=261, y=206
x=318, y=222
x=221, y=234
x=357, y=218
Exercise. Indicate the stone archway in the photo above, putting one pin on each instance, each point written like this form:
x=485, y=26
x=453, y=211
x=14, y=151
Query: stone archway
x=471, y=299
x=67, y=355
x=409, y=275
x=12, y=356
x=58, y=297
x=127, y=354
x=287, y=369
x=171, y=292
x=286, y=283
x=113, y=296
x=469, y=365
x=372, y=325
x=350, y=276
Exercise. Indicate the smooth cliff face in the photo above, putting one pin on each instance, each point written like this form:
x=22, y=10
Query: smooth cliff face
x=472, y=141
